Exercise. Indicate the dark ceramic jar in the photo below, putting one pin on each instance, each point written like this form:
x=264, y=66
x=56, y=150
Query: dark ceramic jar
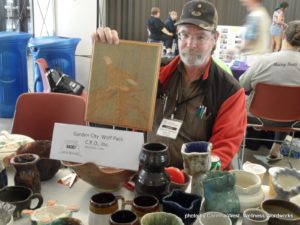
x=27, y=173
x=152, y=178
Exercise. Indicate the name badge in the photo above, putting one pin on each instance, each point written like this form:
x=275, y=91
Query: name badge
x=169, y=128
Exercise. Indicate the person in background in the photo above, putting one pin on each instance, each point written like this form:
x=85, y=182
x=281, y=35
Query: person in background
x=170, y=22
x=278, y=26
x=158, y=31
x=282, y=68
x=194, y=92
x=257, y=38
x=170, y=25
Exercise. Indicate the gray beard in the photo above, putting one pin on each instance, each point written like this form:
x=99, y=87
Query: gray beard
x=191, y=58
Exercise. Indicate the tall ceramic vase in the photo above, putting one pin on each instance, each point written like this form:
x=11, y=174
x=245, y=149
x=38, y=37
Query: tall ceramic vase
x=196, y=162
x=152, y=178
x=27, y=173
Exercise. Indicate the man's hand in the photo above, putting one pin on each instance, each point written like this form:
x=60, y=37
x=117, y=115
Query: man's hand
x=106, y=35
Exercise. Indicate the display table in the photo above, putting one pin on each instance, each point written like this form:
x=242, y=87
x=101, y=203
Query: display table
x=79, y=194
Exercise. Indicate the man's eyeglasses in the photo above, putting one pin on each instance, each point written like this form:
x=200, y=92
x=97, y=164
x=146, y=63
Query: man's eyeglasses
x=200, y=38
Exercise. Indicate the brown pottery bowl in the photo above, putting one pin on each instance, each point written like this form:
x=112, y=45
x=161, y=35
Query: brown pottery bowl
x=47, y=167
x=282, y=212
x=104, y=178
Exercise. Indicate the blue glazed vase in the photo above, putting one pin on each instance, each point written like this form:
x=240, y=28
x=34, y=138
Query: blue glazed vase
x=184, y=205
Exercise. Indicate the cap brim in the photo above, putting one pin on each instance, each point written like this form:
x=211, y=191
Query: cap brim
x=200, y=23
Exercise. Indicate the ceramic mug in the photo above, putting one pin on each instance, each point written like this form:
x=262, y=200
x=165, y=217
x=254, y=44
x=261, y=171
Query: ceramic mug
x=210, y=218
x=143, y=204
x=102, y=205
x=21, y=197
x=124, y=217
x=159, y=218
x=255, y=217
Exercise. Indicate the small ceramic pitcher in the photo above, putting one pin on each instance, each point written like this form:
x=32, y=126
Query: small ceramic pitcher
x=196, y=162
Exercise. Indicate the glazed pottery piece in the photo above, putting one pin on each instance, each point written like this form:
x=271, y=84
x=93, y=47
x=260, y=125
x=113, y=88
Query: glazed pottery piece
x=185, y=205
x=248, y=189
x=67, y=221
x=296, y=200
x=256, y=169
x=6, y=213
x=255, y=217
x=103, y=178
x=102, y=205
x=46, y=167
x=50, y=213
x=282, y=212
x=160, y=218
x=211, y=218
x=286, y=183
x=152, y=178
x=21, y=197
x=27, y=173
x=272, y=172
x=220, y=193
x=143, y=204
x=124, y=217
x=196, y=162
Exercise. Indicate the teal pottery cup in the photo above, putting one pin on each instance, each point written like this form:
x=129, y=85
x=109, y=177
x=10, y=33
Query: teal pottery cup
x=185, y=205
x=220, y=194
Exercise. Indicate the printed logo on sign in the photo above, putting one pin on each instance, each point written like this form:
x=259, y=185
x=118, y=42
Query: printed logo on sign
x=71, y=147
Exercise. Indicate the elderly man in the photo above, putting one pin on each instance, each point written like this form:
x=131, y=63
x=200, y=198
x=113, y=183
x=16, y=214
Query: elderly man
x=204, y=101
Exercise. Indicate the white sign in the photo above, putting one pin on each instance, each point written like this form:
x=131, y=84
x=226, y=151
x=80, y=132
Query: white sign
x=105, y=147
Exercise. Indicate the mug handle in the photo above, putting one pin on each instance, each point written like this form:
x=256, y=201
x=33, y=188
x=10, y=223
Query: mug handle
x=40, y=200
x=122, y=199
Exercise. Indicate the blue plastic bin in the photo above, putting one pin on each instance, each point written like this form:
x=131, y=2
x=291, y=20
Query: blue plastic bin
x=59, y=52
x=13, y=70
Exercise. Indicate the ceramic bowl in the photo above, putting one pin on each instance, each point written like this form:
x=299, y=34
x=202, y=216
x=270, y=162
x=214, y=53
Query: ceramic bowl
x=67, y=221
x=255, y=168
x=248, y=188
x=159, y=218
x=104, y=178
x=282, y=212
x=183, y=186
x=46, y=167
x=286, y=183
x=52, y=212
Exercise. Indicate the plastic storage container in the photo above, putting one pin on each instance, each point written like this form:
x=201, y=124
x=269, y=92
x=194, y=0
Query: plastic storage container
x=13, y=70
x=59, y=52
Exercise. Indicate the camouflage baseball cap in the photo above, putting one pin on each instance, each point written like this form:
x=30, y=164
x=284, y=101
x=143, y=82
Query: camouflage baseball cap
x=200, y=13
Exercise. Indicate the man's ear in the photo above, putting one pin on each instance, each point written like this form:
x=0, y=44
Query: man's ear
x=216, y=36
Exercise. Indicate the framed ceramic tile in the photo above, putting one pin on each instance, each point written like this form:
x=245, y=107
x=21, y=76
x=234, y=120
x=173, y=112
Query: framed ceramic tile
x=123, y=84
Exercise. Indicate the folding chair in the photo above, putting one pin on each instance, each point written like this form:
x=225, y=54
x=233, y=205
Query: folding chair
x=274, y=103
x=36, y=113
